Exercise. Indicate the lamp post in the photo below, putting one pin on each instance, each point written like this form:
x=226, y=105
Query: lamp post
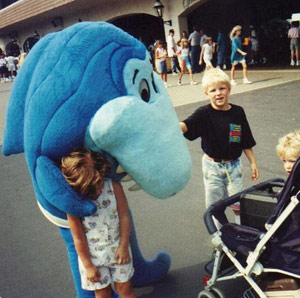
x=159, y=9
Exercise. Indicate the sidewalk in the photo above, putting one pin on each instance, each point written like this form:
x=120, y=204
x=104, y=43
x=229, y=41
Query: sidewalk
x=186, y=93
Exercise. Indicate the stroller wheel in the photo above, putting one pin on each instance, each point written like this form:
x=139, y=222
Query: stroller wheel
x=218, y=292
x=213, y=293
x=206, y=294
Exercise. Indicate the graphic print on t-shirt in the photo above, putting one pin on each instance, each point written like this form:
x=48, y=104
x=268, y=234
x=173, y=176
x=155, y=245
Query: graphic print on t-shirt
x=235, y=133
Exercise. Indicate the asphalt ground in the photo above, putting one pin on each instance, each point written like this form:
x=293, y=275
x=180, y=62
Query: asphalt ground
x=33, y=256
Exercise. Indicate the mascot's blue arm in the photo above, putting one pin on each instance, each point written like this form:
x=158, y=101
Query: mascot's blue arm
x=57, y=191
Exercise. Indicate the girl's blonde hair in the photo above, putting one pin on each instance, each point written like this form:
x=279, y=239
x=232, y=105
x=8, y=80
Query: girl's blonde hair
x=84, y=170
x=234, y=30
x=289, y=144
x=214, y=76
x=183, y=40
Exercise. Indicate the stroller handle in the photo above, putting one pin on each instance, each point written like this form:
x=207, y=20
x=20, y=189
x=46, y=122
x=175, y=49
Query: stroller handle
x=217, y=209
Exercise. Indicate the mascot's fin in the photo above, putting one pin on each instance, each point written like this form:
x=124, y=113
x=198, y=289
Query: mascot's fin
x=13, y=140
x=147, y=271
x=57, y=191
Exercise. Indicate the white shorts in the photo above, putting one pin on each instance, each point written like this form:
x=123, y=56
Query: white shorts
x=11, y=67
x=207, y=61
x=113, y=273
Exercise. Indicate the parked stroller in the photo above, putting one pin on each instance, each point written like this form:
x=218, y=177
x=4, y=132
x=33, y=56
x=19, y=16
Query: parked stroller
x=268, y=258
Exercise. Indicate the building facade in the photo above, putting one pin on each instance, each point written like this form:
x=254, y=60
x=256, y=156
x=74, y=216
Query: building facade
x=24, y=22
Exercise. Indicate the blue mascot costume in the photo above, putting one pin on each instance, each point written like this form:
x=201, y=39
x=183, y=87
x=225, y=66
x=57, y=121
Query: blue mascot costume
x=93, y=85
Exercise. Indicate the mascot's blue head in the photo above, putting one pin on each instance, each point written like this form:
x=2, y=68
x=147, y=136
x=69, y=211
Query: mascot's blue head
x=93, y=85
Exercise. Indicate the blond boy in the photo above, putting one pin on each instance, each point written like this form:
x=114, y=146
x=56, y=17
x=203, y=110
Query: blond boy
x=288, y=150
x=225, y=134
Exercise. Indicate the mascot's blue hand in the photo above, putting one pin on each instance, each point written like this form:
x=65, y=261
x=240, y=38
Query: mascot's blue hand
x=56, y=191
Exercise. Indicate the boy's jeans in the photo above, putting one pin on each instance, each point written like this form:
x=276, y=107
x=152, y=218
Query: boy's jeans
x=218, y=184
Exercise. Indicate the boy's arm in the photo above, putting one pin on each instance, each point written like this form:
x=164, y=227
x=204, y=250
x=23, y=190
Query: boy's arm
x=193, y=126
x=122, y=254
x=253, y=166
x=82, y=248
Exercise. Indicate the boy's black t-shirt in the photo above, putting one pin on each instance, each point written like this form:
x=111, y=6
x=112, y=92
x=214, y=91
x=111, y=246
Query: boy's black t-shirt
x=224, y=134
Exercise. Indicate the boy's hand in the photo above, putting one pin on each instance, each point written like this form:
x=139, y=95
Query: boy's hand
x=244, y=54
x=122, y=255
x=183, y=127
x=200, y=62
x=93, y=274
x=254, y=170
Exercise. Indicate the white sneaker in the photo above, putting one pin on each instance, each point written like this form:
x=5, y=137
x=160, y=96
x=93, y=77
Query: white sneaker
x=193, y=83
x=233, y=82
x=2, y=80
x=179, y=83
x=224, y=66
x=7, y=80
x=167, y=85
x=246, y=81
x=174, y=74
x=297, y=63
x=292, y=63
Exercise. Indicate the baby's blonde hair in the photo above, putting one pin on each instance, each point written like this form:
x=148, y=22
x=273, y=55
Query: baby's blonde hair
x=214, y=76
x=289, y=144
x=84, y=170
x=234, y=30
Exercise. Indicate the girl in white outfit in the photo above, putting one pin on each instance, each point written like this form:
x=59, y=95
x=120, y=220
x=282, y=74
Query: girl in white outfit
x=102, y=239
x=207, y=53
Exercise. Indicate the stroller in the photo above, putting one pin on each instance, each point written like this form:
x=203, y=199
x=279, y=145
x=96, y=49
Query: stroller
x=268, y=258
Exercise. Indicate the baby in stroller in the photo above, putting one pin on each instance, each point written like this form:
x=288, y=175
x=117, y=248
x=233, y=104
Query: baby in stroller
x=268, y=258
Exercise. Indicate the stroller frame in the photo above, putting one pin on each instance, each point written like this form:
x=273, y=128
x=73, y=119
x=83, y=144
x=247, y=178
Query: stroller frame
x=253, y=265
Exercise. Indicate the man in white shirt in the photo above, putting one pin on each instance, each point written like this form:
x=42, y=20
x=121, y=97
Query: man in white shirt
x=194, y=40
x=202, y=38
x=172, y=49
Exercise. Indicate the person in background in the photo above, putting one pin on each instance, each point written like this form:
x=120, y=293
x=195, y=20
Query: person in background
x=254, y=49
x=221, y=49
x=3, y=69
x=237, y=55
x=184, y=54
x=203, y=36
x=207, y=52
x=161, y=62
x=184, y=35
x=194, y=40
x=172, y=52
x=11, y=67
x=294, y=35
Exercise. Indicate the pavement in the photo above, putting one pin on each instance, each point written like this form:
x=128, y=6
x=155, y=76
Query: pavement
x=33, y=256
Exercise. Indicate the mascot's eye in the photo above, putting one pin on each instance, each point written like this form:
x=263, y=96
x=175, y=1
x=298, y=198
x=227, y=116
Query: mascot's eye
x=144, y=90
